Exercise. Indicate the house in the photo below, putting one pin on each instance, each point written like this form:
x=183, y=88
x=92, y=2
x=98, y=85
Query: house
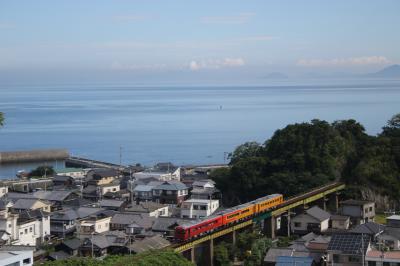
x=161, y=172
x=166, y=225
x=16, y=258
x=370, y=228
x=347, y=249
x=382, y=258
x=205, y=193
x=30, y=204
x=98, y=245
x=69, y=246
x=75, y=173
x=198, y=208
x=203, y=184
x=312, y=220
x=3, y=191
x=57, y=198
x=391, y=233
x=143, y=192
x=97, y=223
x=141, y=222
x=110, y=204
x=340, y=222
x=63, y=223
x=101, y=176
x=96, y=192
x=360, y=211
x=170, y=193
x=153, y=209
x=63, y=181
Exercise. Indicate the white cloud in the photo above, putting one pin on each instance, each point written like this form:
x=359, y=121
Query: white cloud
x=240, y=18
x=352, y=61
x=216, y=63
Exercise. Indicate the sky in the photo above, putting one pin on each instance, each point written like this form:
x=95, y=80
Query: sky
x=187, y=40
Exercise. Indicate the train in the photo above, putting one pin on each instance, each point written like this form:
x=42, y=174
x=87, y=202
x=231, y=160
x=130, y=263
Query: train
x=227, y=217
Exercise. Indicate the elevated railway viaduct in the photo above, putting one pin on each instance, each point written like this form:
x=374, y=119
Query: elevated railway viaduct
x=205, y=243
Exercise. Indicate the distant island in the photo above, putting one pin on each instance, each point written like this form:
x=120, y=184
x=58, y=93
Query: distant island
x=392, y=71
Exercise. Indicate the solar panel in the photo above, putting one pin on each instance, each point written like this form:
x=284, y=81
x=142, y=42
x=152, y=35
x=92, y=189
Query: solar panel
x=352, y=244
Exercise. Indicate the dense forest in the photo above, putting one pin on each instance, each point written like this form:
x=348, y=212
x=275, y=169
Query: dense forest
x=306, y=155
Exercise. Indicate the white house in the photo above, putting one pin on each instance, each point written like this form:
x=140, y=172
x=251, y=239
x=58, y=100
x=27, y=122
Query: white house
x=204, y=184
x=174, y=174
x=312, y=220
x=75, y=173
x=3, y=191
x=96, y=224
x=198, y=208
x=16, y=257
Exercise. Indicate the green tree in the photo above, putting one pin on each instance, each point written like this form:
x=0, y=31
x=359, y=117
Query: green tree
x=221, y=255
x=246, y=150
x=42, y=171
x=1, y=119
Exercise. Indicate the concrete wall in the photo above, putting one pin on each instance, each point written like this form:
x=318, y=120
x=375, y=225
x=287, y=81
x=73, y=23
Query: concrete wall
x=34, y=155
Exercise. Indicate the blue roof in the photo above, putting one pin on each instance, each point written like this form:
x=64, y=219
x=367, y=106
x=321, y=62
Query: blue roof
x=290, y=261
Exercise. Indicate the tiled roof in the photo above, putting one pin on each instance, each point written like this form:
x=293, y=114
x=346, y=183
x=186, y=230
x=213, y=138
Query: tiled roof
x=318, y=213
x=149, y=243
x=369, y=228
x=171, y=186
x=393, y=254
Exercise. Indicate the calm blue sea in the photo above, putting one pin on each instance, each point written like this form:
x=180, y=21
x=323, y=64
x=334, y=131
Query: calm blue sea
x=183, y=125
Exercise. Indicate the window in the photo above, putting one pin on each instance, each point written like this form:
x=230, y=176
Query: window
x=354, y=259
x=366, y=210
x=297, y=224
x=27, y=261
x=21, y=233
x=26, y=230
x=114, y=189
x=30, y=229
x=336, y=258
x=9, y=225
x=370, y=209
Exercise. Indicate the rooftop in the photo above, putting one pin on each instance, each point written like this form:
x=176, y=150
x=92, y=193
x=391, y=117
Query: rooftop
x=318, y=213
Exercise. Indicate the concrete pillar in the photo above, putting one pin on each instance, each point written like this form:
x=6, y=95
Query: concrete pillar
x=269, y=227
x=192, y=255
x=234, y=237
x=324, y=199
x=211, y=249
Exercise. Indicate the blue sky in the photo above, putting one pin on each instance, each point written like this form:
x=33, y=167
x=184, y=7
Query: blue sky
x=196, y=39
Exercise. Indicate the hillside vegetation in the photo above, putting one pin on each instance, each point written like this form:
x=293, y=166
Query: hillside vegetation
x=302, y=156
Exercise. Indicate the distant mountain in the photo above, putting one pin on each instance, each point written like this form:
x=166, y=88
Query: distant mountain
x=392, y=71
x=276, y=75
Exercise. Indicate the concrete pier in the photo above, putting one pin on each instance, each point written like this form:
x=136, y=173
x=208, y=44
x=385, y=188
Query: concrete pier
x=33, y=156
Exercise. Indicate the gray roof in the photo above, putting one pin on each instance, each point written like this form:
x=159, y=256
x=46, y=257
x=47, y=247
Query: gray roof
x=101, y=173
x=392, y=231
x=111, y=203
x=142, y=219
x=148, y=206
x=73, y=243
x=171, y=186
x=25, y=203
x=59, y=255
x=164, y=224
x=369, y=228
x=107, y=239
x=149, y=243
x=144, y=188
x=318, y=213
x=339, y=217
x=62, y=178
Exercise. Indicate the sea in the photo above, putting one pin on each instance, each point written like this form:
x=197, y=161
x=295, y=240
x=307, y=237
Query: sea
x=179, y=124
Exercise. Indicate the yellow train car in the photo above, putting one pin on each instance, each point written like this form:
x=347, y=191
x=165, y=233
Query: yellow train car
x=268, y=202
x=237, y=213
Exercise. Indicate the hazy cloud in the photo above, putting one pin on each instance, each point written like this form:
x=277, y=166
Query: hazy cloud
x=352, y=61
x=232, y=19
x=216, y=63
